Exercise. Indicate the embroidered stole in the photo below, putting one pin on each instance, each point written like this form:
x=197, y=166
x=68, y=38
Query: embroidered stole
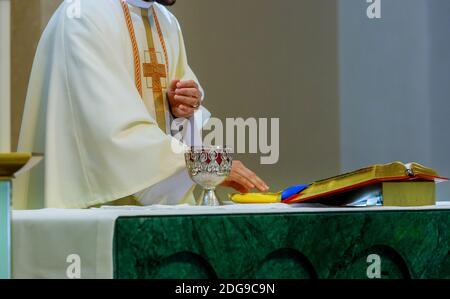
x=156, y=74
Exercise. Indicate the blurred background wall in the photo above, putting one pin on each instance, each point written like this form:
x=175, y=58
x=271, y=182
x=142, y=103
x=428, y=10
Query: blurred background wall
x=29, y=18
x=349, y=91
x=439, y=25
x=394, y=84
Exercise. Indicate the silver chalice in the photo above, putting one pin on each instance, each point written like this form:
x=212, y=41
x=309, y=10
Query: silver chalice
x=209, y=167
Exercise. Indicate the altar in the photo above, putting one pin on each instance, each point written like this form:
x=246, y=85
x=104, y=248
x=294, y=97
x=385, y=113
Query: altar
x=236, y=241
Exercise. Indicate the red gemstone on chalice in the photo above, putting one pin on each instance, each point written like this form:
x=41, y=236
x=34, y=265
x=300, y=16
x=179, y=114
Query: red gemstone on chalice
x=219, y=158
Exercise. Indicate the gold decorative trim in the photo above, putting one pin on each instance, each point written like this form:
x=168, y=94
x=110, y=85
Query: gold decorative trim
x=160, y=107
x=136, y=56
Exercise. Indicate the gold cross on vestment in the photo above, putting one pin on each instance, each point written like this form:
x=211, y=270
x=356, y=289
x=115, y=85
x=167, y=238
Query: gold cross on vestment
x=155, y=71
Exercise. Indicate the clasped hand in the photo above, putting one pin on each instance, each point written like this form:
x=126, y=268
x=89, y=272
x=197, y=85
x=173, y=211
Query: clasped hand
x=184, y=98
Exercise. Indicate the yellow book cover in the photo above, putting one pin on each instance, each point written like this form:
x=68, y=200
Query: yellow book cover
x=395, y=194
x=409, y=194
x=392, y=172
x=379, y=173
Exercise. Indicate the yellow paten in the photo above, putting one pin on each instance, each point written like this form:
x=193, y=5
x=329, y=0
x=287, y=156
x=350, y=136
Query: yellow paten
x=253, y=198
x=12, y=164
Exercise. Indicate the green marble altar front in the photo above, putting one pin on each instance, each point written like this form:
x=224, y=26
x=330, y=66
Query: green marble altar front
x=328, y=245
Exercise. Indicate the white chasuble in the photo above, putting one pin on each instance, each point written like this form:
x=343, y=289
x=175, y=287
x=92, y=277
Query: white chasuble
x=103, y=138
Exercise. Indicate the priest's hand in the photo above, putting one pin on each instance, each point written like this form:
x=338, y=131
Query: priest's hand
x=184, y=98
x=243, y=179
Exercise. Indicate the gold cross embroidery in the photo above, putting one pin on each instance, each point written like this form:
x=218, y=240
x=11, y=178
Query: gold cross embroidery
x=155, y=71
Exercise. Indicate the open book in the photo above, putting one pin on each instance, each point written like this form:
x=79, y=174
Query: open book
x=375, y=174
x=392, y=172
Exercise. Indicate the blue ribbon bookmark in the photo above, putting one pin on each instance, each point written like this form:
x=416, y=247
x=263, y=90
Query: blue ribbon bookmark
x=291, y=191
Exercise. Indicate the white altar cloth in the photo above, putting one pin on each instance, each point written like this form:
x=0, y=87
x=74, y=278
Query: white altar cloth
x=44, y=239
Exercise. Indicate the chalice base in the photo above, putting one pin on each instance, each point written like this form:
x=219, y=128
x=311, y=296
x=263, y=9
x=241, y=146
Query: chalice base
x=209, y=198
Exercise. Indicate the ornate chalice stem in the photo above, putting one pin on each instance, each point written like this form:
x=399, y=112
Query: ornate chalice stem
x=209, y=198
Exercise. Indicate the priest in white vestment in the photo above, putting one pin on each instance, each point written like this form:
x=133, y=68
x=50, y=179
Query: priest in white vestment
x=109, y=78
